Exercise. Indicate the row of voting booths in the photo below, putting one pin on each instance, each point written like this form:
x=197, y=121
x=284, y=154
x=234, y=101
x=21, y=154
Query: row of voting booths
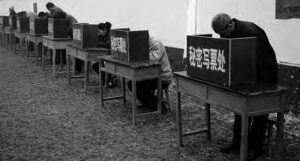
x=216, y=68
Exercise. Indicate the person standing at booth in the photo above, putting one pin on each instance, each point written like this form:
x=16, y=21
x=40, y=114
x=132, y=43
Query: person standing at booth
x=12, y=11
x=57, y=13
x=266, y=65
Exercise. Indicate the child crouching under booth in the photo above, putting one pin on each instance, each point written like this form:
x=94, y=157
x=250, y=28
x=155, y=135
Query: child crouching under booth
x=146, y=89
x=104, y=42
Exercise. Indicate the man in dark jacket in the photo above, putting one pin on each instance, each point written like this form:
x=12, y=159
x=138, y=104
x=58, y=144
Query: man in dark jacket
x=266, y=73
x=12, y=11
x=55, y=11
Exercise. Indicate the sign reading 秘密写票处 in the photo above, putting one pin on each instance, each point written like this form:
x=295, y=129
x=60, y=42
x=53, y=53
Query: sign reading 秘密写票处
x=222, y=61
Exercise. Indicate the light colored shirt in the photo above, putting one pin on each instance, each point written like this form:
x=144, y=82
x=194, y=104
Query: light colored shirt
x=32, y=15
x=157, y=53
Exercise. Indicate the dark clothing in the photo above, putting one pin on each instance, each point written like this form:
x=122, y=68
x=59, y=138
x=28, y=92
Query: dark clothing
x=145, y=91
x=13, y=13
x=265, y=56
x=104, y=40
x=57, y=57
x=57, y=13
x=266, y=65
x=71, y=21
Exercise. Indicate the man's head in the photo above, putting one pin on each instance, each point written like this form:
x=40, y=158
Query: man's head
x=223, y=25
x=103, y=28
x=11, y=8
x=49, y=6
x=43, y=15
x=107, y=25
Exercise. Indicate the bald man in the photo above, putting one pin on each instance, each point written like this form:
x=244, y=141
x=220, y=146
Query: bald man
x=266, y=65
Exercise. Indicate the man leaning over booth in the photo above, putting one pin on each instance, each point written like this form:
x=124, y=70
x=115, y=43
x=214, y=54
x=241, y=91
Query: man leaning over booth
x=57, y=13
x=266, y=65
x=54, y=10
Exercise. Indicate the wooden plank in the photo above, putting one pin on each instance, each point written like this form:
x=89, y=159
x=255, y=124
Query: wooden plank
x=261, y=103
x=232, y=101
x=190, y=133
x=148, y=114
x=112, y=98
x=140, y=73
x=195, y=89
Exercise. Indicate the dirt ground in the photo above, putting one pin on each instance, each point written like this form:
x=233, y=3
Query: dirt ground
x=42, y=118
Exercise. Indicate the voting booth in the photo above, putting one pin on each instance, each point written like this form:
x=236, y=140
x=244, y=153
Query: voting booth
x=85, y=35
x=23, y=24
x=13, y=22
x=131, y=46
x=58, y=28
x=4, y=21
x=38, y=26
x=225, y=61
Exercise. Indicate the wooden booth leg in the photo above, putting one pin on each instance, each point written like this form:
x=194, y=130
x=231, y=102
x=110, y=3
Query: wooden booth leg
x=279, y=136
x=124, y=90
x=134, y=102
x=53, y=63
x=178, y=120
x=207, y=108
x=244, y=138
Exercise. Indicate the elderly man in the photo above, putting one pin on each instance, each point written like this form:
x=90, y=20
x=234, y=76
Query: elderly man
x=146, y=89
x=266, y=73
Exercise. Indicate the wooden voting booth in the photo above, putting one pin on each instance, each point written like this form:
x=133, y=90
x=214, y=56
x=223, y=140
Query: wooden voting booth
x=131, y=46
x=13, y=22
x=4, y=21
x=58, y=28
x=22, y=24
x=85, y=35
x=221, y=60
x=38, y=26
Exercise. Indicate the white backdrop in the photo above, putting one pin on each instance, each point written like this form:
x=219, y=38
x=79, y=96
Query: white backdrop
x=284, y=35
x=167, y=19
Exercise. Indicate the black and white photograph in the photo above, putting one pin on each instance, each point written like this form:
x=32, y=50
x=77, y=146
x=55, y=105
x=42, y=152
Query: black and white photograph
x=149, y=80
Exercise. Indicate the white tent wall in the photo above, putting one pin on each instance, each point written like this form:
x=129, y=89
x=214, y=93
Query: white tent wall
x=167, y=19
x=284, y=35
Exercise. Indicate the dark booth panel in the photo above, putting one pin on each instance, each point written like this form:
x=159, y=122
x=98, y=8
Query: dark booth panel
x=131, y=46
x=222, y=61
